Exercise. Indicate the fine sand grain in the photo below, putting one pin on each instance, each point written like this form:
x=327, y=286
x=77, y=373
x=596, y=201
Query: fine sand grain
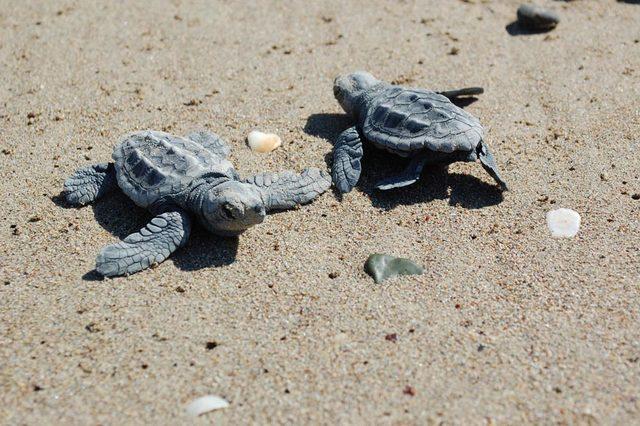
x=506, y=325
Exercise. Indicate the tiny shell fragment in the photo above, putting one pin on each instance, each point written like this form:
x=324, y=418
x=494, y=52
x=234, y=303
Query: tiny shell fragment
x=263, y=142
x=563, y=223
x=205, y=404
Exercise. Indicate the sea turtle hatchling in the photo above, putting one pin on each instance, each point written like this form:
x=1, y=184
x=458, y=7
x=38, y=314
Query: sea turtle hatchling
x=416, y=123
x=179, y=177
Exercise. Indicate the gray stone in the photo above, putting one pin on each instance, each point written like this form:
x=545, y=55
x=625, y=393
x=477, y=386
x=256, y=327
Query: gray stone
x=383, y=266
x=537, y=18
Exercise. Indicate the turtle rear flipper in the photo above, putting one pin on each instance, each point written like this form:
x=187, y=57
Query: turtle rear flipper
x=152, y=244
x=285, y=190
x=467, y=91
x=489, y=164
x=409, y=176
x=90, y=183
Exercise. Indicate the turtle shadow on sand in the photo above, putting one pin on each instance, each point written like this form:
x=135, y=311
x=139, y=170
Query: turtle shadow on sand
x=327, y=126
x=117, y=214
x=464, y=101
x=436, y=183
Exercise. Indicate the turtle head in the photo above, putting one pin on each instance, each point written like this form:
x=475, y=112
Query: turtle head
x=349, y=88
x=232, y=207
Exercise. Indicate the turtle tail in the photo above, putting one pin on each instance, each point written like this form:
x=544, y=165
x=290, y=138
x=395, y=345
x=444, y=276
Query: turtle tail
x=489, y=164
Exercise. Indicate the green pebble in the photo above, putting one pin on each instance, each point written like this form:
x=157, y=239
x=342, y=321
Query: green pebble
x=383, y=266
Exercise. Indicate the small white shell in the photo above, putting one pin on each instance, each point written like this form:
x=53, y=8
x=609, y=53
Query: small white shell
x=204, y=404
x=563, y=223
x=263, y=142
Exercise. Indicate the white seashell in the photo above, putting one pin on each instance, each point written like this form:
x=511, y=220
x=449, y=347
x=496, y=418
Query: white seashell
x=563, y=223
x=263, y=142
x=204, y=404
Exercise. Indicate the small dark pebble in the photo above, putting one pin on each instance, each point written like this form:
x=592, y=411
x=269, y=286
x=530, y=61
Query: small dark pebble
x=211, y=345
x=92, y=327
x=536, y=18
x=180, y=289
x=334, y=275
x=158, y=338
x=37, y=388
x=409, y=390
x=636, y=196
x=392, y=337
x=481, y=348
x=35, y=219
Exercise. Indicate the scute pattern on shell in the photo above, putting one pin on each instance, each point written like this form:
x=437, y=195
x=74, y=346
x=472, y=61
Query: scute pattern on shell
x=405, y=120
x=151, y=165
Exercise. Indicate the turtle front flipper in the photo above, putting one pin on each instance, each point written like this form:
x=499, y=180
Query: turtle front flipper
x=151, y=245
x=211, y=141
x=90, y=183
x=409, y=176
x=347, y=156
x=285, y=190
x=489, y=164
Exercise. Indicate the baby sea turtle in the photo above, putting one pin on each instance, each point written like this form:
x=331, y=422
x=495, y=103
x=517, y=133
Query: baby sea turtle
x=422, y=125
x=178, y=177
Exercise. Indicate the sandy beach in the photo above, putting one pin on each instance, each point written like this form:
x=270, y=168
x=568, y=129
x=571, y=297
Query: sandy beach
x=507, y=325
